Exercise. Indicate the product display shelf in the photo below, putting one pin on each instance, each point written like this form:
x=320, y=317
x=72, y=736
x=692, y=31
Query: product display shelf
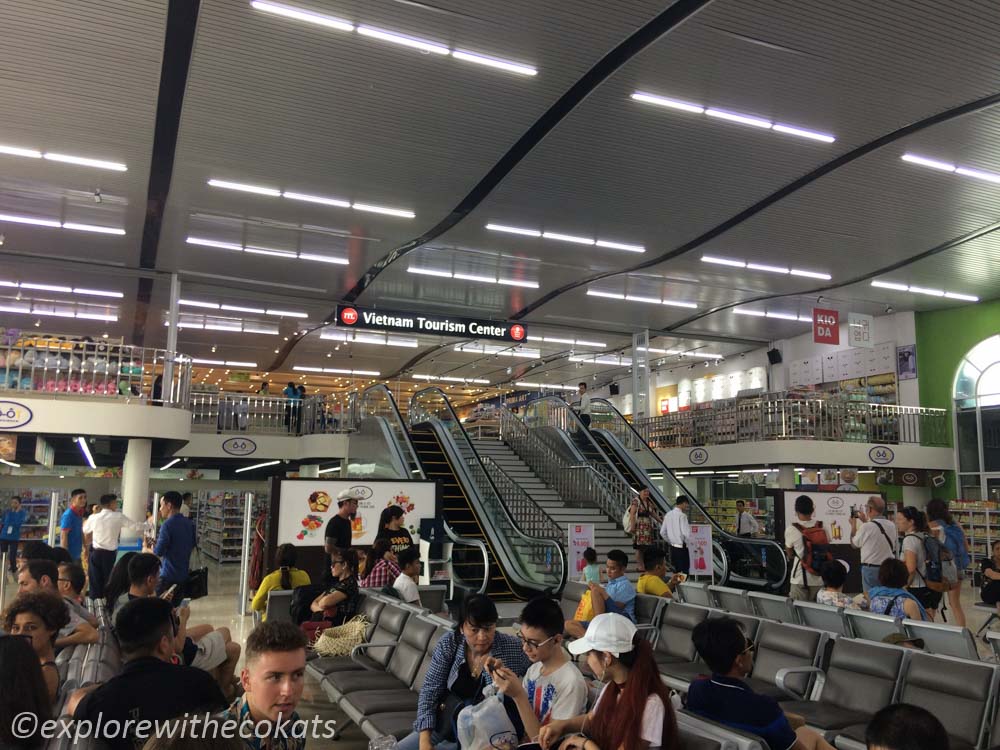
x=220, y=522
x=981, y=522
x=37, y=502
x=724, y=512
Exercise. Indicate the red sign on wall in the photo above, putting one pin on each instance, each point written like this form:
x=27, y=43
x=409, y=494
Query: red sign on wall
x=826, y=326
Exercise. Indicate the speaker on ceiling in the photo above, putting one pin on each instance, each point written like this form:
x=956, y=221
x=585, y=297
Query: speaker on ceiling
x=613, y=389
x=774, y=356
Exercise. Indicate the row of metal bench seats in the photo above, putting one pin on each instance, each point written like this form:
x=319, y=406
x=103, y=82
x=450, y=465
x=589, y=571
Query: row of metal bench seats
x=938, y=638
x=838, y=683
x=377, y=686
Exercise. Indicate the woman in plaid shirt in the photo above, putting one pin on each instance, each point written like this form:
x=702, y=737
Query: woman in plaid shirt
x=462, y=663
x=384, y=571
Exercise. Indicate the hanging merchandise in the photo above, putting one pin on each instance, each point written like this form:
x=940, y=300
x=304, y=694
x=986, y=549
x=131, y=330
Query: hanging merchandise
x=257, y=553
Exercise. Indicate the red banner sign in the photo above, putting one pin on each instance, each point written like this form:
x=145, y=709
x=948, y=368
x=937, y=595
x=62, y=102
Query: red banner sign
x=826, y=326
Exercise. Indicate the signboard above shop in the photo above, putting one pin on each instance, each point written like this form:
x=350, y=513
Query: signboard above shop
x=351, y=316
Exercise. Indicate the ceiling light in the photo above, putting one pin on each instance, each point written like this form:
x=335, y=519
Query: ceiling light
x=429, y=272
x=598, y=344
x=84, y=162
x=472, y=277
x=676, y=303
x=214, y=243
x=238, y=308
x=97, y=316
x=245, y=188
x=169, y=464
x=256, y=466
x=217, y=362
x=890, y=285
x=10, y=463
x=15, y=308
x=770, y=269
x=407, y=41
x=723, y=261
x=328, y=471
x=930, y=292
x=493, y=62
x=85, y=449
x=514, y=230
x=736, y=117
x=302, y=15
x=287, y=314
x=46, y=287
x=922, y=290
x=963, y=297
x=550, y=386
x=195, y=303
x=637, y=298
x=324, y=259
x=978, y=174
x=810, y=274
x=270, y=251
x=383, y=210
x=803, y=133
x=30, y=220
x=339, y=203
x=755, y=313
x=15, y=151
x=98, y=293
x=92, y=228
x=568, y=238
x=932, y=163
x=662, y=101
x=783, y=316
x=620, y=246
x=609, y=295
x=251, y=365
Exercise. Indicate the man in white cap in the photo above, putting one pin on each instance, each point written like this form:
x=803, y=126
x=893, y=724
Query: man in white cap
x=338, y=529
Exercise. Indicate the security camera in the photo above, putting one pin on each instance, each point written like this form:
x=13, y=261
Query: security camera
x=97, y=196
x=510, y=370
x=888, y=310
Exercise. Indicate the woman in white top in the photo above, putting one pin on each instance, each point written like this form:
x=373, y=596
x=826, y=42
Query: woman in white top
x=912, y=526
x=633, y=711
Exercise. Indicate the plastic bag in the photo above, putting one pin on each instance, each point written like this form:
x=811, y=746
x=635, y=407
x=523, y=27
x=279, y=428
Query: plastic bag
x=486, y=726
x=585, y=609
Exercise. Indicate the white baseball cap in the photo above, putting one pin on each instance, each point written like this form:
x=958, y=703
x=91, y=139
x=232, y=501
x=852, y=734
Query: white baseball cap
x=351, y=493
x=606, y=632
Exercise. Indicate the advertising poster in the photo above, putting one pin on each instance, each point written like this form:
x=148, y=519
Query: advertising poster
x=700, y=546
x=906, y=362
x=307, y=505
x=809, y=478
x=581, y=536
x=829, y=479
x=848, y=480
x=832, y=508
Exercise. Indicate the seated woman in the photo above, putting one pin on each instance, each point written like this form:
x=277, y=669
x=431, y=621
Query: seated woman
x=991, y=577
x=23, y=692
x=39, y=617
x=633, y=711
x=461, y=666
x=890, y=598
x=285, y=577
x=340, y=602
x=834, y=574
x=117, y=586
x=383, y=570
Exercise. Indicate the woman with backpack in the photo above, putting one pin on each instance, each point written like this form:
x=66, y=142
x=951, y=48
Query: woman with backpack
x=951, y=535
x=913, y=540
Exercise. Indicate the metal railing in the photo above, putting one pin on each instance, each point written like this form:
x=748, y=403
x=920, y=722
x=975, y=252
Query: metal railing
x=432, y=404
x=257, y=413
x=55, y=366
x=530, y=518
x=763, y=418
x=376, y=402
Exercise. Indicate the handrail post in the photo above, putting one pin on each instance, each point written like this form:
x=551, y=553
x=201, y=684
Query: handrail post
x=242, y=605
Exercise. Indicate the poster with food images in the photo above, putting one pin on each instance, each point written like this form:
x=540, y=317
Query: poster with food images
x=307, y=505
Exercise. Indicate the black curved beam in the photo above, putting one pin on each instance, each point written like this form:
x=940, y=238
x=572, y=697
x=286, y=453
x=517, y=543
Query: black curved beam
x=178, y=43
x=664, y=23
x=824, y=169
x=975, y=234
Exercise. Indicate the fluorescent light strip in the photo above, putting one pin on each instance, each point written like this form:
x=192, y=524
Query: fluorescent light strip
x=550, y=386
x=675, y=303
x=214, y=243
x=195, y=303
x=98, y=293
x=57, y=225
x=270, y=251
x=493, y=62
x=30, y=153
x=339, y=203
x=723, y=261
x=237, y=308
x=754, y=313
x=620, y=246
x=811, y=274
x=513, y=230
x=407, y=41
x=250, y=365
x=266, y=251
x=42, y=312
x=92, y=228
x=429, y=272
x=46, y=287
x=474, y=277
x=245, y=188
x=336, y=371
x=763, y=267
x=450, y=379
x=722, y=114
x=471, y=277
x=328, y=471
x=609, y=295
x=637, y=298
x=286, y=314
x=640, y=298
x=302, y=15
x=85, y=449
x=30, y=220
x=10, y=463
x=383, y=210
x=922, y=290
x=979, y=174
x=516, y=282
x=257, y=466
x=85, y=162
x=568, y=238
x=168, y=465
x=576, y=239
x=769, y=269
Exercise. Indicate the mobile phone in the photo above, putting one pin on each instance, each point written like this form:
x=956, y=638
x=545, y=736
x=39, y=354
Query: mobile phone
x=854, y=512
x=185, y=602
x=170, y=590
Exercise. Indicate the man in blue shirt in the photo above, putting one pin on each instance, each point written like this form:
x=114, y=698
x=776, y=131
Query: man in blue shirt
x=10, y=532
x=617, y=595
x=174, y=544
x=725, y=698
x=71, y=524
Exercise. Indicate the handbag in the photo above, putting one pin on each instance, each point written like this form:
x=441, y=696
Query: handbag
x=197, y=582
x=341, y=639
x=447, y=716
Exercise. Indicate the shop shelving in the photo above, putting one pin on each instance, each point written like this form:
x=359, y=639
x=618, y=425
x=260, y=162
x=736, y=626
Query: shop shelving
x=37, y=502
x=220, y=523
x=981, y=522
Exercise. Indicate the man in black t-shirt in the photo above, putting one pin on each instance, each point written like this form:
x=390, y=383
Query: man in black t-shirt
x=338, y=531
x=149, y=687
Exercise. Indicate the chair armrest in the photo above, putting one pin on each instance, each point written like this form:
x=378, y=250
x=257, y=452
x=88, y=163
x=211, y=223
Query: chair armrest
x=782, y=674
x=649, y=632
x=356, y=652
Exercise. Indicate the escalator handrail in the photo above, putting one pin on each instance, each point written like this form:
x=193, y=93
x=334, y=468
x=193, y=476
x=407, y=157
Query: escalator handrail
x=456, y=539
x=418, y=413
x=403, y=434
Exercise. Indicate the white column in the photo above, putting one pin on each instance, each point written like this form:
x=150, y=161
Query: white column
x=309, y=471
x=168, y=364
x=786, y=476
x=135, y=483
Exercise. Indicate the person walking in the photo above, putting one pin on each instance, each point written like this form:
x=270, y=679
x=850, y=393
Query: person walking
x=643, y=519
x=876, y=537
x=105, y=529
x=10, y=532
x=676, y=530
x=746, y=524
x=806, y=542
x=912, y=526
x=952, y=536
x=71, y=525
x=584, y=409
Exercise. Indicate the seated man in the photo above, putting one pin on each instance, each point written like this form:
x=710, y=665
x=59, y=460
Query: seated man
x=409, y=569
x=552, y=688
x=905, y=727
x=149, y=687
x=72, y=579
x=272, y=680
x=199, y=646
x=617, y=595
x=725, y=698
x=651, y=581
x=43, y=575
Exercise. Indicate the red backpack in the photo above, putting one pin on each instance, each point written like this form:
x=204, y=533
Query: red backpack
x=817, y=546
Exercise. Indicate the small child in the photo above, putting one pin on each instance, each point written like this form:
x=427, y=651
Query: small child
x=592, y=572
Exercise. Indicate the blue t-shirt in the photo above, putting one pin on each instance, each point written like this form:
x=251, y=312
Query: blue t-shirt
x=621, y=590
x=10, y=526
x=174, y=544
x=72, y=522
x=731, y=702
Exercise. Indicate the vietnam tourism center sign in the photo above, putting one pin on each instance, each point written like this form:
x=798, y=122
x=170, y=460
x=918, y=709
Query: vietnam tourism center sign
x=351, y=316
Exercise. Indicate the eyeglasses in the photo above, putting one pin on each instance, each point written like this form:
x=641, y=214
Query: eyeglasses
x=533, y=645
x=750, y=648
